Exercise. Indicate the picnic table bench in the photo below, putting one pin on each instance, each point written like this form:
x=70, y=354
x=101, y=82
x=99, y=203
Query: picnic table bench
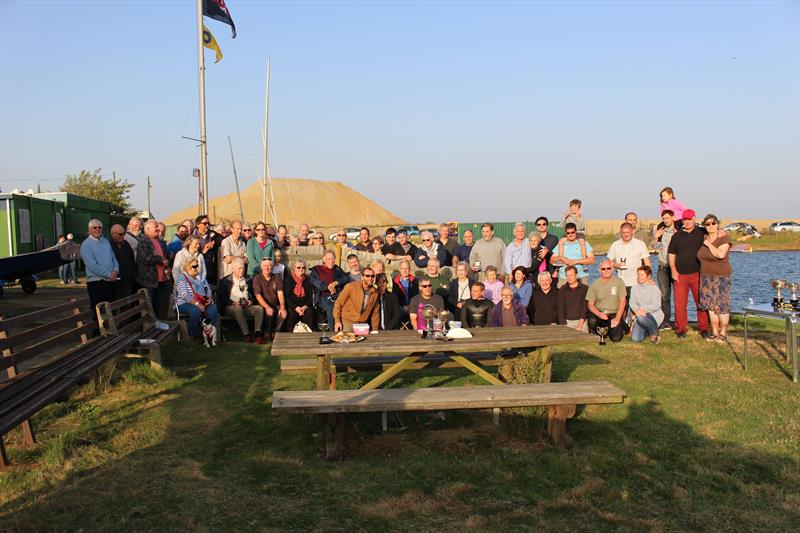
x=561, y=400
x=60, y=336
x=134, y=315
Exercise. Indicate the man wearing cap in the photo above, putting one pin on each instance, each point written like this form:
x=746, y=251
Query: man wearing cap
x=685, y=268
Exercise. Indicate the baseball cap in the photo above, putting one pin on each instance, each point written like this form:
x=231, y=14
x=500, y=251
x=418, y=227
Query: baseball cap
x=689, y=214
x=403, y=230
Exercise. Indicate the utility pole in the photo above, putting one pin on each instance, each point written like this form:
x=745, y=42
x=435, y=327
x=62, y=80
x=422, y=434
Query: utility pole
x=149, y=187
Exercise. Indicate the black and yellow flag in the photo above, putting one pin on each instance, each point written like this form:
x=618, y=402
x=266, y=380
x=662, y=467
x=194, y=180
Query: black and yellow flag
x=210, y=42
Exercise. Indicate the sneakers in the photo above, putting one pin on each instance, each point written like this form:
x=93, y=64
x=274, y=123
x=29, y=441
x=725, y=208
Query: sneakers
x=707, y=335
x=664, y=327
x=721, y=339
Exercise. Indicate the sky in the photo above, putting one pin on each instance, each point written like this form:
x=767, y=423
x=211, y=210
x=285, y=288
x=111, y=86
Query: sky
x=435, y=110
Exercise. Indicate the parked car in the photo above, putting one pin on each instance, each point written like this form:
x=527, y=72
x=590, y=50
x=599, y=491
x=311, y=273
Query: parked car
x=784, y=226
x=412, y=230
x=742, y=228
x=352, y=234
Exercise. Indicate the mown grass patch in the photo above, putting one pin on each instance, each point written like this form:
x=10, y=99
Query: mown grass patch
x=698, y=445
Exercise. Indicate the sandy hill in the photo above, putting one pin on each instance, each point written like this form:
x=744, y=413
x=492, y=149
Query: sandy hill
x=318, y=203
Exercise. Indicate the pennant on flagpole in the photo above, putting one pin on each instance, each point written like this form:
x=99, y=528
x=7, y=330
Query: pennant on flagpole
x=211, y=43
x=217, y=10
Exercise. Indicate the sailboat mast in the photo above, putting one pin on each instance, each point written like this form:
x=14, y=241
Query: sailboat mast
x=265, y=139
x=201, y=63
x=236, y=180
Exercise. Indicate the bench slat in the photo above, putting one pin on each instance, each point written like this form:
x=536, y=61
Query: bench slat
x=44, y=329
x=135, y=311
x=128, y=300
x=440, y=398
x=36, y=349
x=41, y=315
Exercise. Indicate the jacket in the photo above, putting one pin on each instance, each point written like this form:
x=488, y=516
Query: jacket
x=475, y=313
x=391, y=311
x=497, y=315
x=413, y=289
x=444, y=257
x=255, y=254
x=224, y=291
x=452, y=294
x=320, y=287
x=543, y=308
x=350, y=302
x=146, y=261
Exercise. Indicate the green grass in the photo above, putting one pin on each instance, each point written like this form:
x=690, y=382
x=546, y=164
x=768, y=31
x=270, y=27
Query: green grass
x=699, y=444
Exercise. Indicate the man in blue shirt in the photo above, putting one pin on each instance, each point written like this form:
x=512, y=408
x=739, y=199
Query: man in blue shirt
x=102, y=268
x=575, y=253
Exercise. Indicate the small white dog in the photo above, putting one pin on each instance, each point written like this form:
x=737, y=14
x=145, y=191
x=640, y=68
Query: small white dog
x=209, y=333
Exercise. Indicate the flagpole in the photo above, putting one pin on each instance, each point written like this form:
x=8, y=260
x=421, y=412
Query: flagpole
x=202, y=80
x=267, y=177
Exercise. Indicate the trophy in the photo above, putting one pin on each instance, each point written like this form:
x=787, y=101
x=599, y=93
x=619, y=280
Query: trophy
x=602, y=331
x=443, y=316
x=324, y=328
x=429, y=313
x=794, y=287
x=778, y=284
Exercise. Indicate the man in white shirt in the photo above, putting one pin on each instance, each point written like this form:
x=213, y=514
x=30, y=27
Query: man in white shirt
x=232, y=247
x=627, y=254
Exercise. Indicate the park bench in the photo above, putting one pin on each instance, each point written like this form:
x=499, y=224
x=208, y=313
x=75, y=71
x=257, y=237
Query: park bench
x=560, y=399
x=134, y=315
x=59, y=336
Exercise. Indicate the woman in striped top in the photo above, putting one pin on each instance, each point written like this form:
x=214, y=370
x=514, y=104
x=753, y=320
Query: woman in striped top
x=193, y=296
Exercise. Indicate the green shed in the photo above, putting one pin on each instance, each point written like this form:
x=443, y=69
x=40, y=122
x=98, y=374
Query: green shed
x=79, y=210
x=505, y=230
x=28, y=223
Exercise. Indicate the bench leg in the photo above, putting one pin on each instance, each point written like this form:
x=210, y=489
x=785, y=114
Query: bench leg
x=323, y=372
x=334, y=437
x=153, y=354
x=183, y=332
x=27, y=433
x=557, y=423
x=545, y=355
x=4, y=462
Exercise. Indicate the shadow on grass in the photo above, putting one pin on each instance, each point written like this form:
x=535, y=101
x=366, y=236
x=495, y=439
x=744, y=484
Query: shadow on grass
x=227, y=462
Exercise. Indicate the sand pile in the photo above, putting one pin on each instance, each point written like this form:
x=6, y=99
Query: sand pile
x=318, y=203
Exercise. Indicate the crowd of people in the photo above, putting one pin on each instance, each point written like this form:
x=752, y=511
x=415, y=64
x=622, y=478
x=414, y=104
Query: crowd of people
x=242, y=272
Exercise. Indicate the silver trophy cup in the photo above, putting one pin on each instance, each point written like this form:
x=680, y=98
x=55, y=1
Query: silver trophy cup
x=778, y=284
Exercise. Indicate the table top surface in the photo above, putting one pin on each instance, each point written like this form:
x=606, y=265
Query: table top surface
x=406, y=342
x=768, y=310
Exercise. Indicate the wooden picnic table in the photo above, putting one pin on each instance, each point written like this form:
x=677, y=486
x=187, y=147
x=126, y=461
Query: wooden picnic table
x=412, y=347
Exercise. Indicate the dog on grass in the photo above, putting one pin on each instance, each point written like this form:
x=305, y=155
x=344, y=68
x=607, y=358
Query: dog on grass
x=209, y=333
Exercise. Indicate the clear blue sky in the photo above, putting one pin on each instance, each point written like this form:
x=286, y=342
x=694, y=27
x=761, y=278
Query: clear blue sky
x=503, y=111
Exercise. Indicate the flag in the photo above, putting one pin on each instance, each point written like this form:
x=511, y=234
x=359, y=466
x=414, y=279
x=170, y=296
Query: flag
x=211, y=43
x=217, y=10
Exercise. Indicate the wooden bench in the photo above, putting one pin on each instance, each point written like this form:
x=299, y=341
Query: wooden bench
x=54, y=343
x=560, y=399
x=135, y=314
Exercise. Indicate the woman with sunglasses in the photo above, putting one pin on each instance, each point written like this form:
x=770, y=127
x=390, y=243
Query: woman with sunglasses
x=193, y=294
x=191, y=249
x=258, y=248
x=299, y=294
x=715, y=278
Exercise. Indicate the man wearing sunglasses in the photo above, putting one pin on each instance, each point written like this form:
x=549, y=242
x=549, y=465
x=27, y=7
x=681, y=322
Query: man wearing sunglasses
x=606, y=302
x=547, y=244
x=425, y=297
x=210, y=242
x=101, y=264
x=357, y=303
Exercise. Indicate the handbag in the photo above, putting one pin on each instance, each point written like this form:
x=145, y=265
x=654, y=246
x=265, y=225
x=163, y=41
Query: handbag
x=301, y=327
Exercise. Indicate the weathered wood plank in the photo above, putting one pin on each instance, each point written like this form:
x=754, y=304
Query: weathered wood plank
x=361, y=364
x=476, y=369
x=391, y=372
x=42, y=315
x=440, y=398
x=44, y=330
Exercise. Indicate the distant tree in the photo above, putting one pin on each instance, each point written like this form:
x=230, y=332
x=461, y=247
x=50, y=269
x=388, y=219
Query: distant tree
x=92, y=185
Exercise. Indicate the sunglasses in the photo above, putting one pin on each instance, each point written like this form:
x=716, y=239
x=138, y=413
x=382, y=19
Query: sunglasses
x=428, y=286
x=259, y=229
x=96, y=227
x=426, y=240
x=606, y=268
x=367, y=275
x=299, y=268
x=541, y=223
x=571, y=232
x=247, y=230
x=193, y=267
x=204, y=223
x=710, y=224
x=341, y=235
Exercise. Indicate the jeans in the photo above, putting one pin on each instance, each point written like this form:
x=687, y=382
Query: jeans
x=664, y=279
x=615, y=334
x=159, y=297
x=326, y=304
x=62, y=274
x=686, y=283
x=195, y=316
x=644, y=326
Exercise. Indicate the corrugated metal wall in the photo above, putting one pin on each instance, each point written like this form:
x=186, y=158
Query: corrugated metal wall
x=505, y=230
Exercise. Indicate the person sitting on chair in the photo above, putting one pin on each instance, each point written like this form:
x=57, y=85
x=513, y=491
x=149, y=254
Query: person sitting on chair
x=606, y=302
x=268, y=289
x=193, y=296
x=327, y=280
x=508, y=313
x=358, y=303
x=299, y=295
x=235, y=298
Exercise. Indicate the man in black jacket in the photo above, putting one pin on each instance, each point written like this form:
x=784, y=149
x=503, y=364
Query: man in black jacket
x=543, y=306
x=127, y=261
x=389, y=312
x=549, y=242
x=328, y=281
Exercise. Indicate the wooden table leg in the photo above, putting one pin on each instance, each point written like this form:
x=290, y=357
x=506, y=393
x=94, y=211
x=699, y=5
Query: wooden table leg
x=474, y=368
x=334, y=436
x=557, y=423
x=323, y=372
x=545, y=355
x=392, y=371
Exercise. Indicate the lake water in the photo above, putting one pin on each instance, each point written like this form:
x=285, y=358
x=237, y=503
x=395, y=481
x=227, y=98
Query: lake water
x=751, y=275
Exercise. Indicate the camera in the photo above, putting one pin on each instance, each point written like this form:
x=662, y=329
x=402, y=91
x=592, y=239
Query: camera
x=242, y=301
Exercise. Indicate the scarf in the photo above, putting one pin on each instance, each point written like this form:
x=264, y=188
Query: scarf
x=298, y=290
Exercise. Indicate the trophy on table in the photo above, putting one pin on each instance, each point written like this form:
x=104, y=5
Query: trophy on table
x=778, y=284
x=429, y=313
x=323, y=326
x=602, y=331
x=794, y=287
x=443, y=316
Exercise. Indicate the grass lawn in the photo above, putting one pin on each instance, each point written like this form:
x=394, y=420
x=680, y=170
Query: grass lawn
x=698, y=445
